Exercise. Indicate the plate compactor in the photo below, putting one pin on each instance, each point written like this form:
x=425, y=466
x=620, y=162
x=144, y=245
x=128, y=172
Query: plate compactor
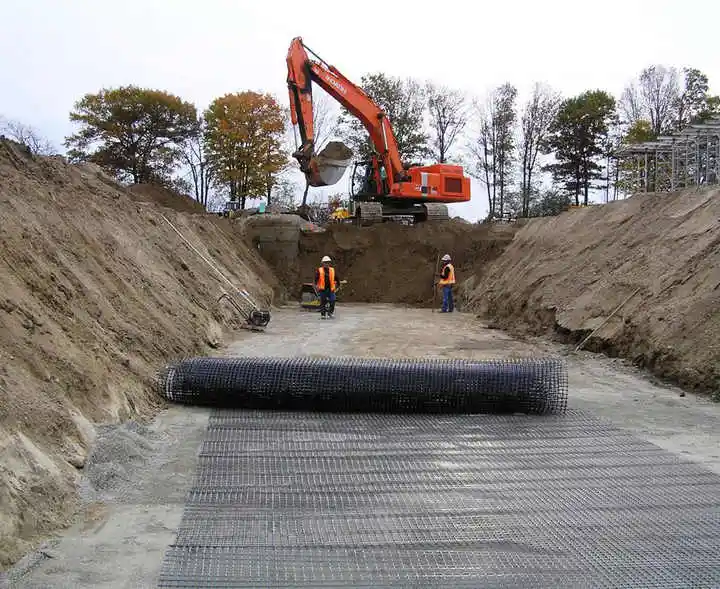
x=255, y=317
x=310, y=296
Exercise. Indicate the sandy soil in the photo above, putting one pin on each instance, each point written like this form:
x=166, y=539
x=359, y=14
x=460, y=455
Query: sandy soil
x=660, y=251
x=96, y=290
x=120, y=541
x=392, y=263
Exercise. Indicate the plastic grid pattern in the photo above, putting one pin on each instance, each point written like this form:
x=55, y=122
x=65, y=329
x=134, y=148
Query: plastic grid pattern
x=529, y=385
x=302, y=500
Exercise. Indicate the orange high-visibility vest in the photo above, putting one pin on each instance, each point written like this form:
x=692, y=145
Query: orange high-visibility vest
x=331, y=277
x=451, y=276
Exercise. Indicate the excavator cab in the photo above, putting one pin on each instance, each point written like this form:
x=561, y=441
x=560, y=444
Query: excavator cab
x=364, y=182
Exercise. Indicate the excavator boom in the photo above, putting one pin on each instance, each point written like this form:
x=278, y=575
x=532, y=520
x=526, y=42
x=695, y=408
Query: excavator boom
x=302, y=71
x=388, y=184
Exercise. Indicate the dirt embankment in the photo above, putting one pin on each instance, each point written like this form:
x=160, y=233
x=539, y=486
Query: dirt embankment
x=164, y=197
x=97, y=292
x=392, y=263
x=569, y=273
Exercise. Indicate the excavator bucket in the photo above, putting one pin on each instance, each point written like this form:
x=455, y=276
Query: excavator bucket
x=328, y=166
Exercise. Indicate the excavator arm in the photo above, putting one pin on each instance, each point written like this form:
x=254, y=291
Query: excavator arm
x=302, y=71
x=419, y=191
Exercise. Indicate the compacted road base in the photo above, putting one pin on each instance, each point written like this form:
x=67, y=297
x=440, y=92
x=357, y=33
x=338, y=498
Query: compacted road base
x=283, y=499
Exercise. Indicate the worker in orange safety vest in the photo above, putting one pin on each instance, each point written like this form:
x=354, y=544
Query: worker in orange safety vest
x=326, y=282
x=447, y=281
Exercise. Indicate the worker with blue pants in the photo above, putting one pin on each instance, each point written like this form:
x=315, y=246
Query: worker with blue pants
x=447, y=281
x=326, y=283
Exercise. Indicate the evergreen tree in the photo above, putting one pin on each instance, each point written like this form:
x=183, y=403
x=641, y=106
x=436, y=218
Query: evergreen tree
x=578, y=137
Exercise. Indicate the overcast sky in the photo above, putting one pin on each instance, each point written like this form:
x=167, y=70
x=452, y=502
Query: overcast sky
x=54, y=51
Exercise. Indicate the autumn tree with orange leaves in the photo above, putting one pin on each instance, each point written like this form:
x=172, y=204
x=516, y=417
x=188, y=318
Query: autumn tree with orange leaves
x=133, y=133
x=243, y=138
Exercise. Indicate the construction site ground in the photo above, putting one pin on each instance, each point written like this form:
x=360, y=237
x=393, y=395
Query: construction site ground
x=120, y=535
x=99, y=292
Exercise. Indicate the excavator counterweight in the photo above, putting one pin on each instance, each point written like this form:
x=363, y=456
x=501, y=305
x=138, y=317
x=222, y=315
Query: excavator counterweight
x=382, y=186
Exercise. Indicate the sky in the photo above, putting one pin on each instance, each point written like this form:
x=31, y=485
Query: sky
x=55, y=51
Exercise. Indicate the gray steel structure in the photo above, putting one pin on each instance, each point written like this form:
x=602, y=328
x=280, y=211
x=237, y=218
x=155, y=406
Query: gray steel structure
x=688, y=158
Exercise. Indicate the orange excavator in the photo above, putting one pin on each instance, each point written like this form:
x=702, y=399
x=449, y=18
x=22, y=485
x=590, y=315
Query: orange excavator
x=382, y=186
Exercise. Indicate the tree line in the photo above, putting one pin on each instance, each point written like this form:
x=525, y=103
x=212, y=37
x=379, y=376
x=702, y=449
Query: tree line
x=532, y=159
x=513, y=149
x=144, y=135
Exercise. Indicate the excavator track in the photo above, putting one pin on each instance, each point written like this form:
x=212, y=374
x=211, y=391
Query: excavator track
x=436, y=212
x=370, y=213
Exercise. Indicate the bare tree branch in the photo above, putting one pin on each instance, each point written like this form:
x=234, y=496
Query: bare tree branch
x=495, y=145
x=631, y=105
x=192, y=153
x=654, y=98
x=482, y=149
x=325, y=115
x=660, y=91
x=538, y=116
x=448, y=118
x=325, y=122
x=27, y=135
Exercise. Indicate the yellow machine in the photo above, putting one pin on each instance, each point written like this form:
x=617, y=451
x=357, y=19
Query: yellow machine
x=339, y=214
x=310, y=297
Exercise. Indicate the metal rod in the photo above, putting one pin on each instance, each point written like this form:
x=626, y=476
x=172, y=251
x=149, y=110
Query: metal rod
x=672, y=167
x=620, y=306
x=707, y=159
x=191, y=246
x=437, y=271
x=320, y=59
x=655, y=171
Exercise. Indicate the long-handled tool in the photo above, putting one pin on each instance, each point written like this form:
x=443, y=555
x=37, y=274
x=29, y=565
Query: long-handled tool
x=255, y=317
x=437, y=271
x=620, y=306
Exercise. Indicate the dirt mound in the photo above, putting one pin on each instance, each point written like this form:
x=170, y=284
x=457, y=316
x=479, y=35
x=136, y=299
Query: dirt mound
x=571, y=272
x=330, y=164
x=336, y=150
x=392, y=263
x=97, y=293
x=165, y=197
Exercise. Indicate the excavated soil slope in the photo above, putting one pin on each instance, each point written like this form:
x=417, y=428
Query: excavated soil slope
x=392, y=263
x=571, y=272
x=97, y=293
x=165, y=198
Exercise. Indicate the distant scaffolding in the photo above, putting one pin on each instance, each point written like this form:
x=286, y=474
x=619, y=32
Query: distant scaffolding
x=690, y=157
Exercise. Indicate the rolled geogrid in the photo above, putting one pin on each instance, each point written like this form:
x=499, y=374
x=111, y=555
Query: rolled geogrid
x=528, y=385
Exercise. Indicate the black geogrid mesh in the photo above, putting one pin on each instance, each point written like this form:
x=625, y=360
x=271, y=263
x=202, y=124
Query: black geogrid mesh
x=533, y=385
x=377, y=500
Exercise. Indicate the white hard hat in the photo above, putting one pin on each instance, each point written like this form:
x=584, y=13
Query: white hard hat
x=446, y=257
x=326, y=259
